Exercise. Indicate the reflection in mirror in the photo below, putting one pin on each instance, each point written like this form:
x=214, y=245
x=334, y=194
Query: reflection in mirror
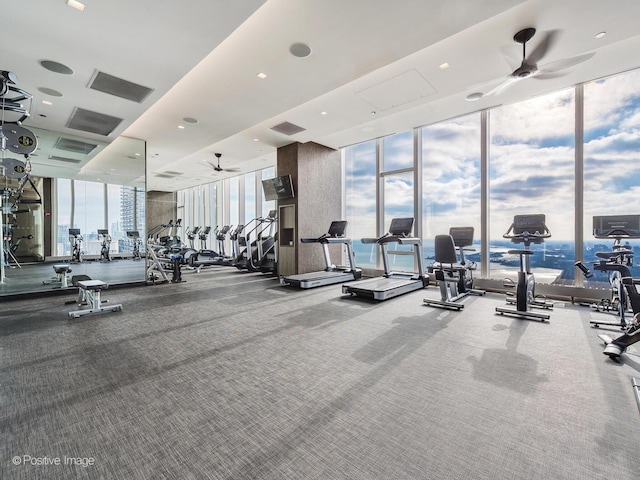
x=78, y=214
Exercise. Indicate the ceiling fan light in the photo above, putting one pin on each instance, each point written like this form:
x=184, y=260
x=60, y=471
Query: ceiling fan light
x=472, y=97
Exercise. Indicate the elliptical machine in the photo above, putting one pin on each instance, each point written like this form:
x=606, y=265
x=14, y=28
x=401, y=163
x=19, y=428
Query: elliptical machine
x=527, y=230
x=105, y=255
x=76, y=243
x=454, y=276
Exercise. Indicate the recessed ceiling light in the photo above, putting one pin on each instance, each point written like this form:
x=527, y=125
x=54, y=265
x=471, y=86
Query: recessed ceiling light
x=75, y=4
x=472, y=97
x=262, y=75
x=444, y=66
x=600, y=34
x=256, y=140
x=47, y=102
x=300, y=49
x=323, y=113
x=181, y=127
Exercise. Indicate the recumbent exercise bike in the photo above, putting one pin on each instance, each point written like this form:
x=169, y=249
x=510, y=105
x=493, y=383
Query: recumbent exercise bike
x=454, y=275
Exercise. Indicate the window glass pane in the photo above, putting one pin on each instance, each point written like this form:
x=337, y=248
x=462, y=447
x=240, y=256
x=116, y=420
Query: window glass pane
x=114, y=218
x=451, y=181
x=398, y=151
x=398, y=203
x=249, y=196
x=234, y=199
x=89, y=214
x=532, y=172
x=63, y=191
x=611, y=161
x=360, y=200
x=212, y=220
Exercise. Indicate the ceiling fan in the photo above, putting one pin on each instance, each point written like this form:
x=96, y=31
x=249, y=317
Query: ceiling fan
x=218, y=168
x=528, y=67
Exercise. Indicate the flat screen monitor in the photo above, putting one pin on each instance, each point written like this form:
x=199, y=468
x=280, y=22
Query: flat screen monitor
x=278, y=188
x=103, y=231
x=133, y=233
x=74, y=231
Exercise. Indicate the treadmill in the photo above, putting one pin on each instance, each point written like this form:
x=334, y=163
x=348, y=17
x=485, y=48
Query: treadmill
x=331, y=274
x=392, y=284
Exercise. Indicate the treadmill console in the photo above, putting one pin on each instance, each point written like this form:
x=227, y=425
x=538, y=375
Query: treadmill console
x=401, y=227
x=337, y=228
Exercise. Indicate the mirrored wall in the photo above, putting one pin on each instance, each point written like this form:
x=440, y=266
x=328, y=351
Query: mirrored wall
x=81, y=214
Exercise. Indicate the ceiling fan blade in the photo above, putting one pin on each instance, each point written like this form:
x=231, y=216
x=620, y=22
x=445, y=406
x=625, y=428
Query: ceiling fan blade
x=502, y=86
x=511, y=55
x=558, y=65
x=549, y=76
x=231, y=169
x=543, y=47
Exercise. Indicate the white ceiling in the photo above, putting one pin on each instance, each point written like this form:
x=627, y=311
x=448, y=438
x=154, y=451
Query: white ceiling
x=202, y=57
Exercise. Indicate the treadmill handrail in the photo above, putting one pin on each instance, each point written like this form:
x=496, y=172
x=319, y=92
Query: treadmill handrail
x=409, y=241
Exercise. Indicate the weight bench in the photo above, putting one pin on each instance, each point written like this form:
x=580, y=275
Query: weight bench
x=61, y=270
x=89, y=294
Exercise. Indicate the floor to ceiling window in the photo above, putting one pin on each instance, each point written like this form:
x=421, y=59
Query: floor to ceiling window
x=611, y=160
x=451, y=191
x=360, y=200
x=532, y=171
x=398, y=193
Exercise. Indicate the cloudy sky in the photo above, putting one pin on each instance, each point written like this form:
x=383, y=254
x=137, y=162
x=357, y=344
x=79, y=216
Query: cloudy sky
x=532, y=164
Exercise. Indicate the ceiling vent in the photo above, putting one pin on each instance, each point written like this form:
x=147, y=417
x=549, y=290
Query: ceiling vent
x=64, y=159
x=93, y=122
x=75, y=146
x=106, y=83
x=288, y=128
x=173, y=174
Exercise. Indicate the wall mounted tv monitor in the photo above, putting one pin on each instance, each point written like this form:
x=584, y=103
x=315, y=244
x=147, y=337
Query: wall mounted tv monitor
x=278, y=188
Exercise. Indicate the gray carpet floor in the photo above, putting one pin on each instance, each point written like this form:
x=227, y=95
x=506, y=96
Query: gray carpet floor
x=232, y=376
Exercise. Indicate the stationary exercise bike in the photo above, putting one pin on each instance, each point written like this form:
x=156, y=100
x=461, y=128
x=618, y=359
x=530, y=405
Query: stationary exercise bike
x=76, y=243
x=106, y=245
x=615, y=262
x=527, y=230
x=454, y=275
